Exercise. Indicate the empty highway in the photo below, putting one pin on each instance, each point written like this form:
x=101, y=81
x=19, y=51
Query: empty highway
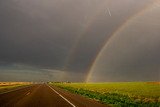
x=43, y=95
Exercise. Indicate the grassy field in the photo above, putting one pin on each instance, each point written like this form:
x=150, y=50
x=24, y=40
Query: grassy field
x=7, y=86
x=122, y=94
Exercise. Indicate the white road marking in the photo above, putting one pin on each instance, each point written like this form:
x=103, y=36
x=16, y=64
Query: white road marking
x=61, y=96
x=109, y=12
x=28, y=93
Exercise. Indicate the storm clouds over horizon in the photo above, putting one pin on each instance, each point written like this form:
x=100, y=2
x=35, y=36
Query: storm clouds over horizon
x=58, y=40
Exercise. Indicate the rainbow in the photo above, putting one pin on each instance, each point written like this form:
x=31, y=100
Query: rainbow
x=117, y=31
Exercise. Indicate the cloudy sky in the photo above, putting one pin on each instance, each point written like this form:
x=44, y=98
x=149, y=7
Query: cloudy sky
x=70, y=40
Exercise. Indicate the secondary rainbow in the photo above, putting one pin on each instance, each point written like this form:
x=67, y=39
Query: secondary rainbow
x=70, y=56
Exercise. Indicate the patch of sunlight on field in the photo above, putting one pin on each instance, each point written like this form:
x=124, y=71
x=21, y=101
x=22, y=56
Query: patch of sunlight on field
x=14, y=83
x=7, y=86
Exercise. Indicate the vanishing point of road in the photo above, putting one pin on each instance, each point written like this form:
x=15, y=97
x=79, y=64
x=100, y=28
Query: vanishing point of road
x=43, y=95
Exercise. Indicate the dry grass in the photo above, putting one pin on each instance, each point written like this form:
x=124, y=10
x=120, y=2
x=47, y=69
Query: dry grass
x=155, y=83
x=14, y=83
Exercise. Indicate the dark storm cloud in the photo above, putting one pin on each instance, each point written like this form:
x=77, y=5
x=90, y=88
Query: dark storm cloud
x=41, y=34
x=133, y=52
x=101, y=30
x=29, y=35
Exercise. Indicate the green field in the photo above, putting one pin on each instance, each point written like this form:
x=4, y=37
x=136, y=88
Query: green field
x=118, y=94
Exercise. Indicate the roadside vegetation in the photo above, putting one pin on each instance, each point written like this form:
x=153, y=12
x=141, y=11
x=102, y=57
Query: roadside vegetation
x=121, y=94
x=7, y=86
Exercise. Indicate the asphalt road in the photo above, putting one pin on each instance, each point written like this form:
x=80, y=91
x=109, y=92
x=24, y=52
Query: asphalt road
x=43, y=95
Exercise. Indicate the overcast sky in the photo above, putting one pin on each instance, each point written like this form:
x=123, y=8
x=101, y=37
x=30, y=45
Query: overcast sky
x=58, y=40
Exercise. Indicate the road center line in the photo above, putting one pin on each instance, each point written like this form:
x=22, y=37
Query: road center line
x=28, y=93
x=61, y=96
